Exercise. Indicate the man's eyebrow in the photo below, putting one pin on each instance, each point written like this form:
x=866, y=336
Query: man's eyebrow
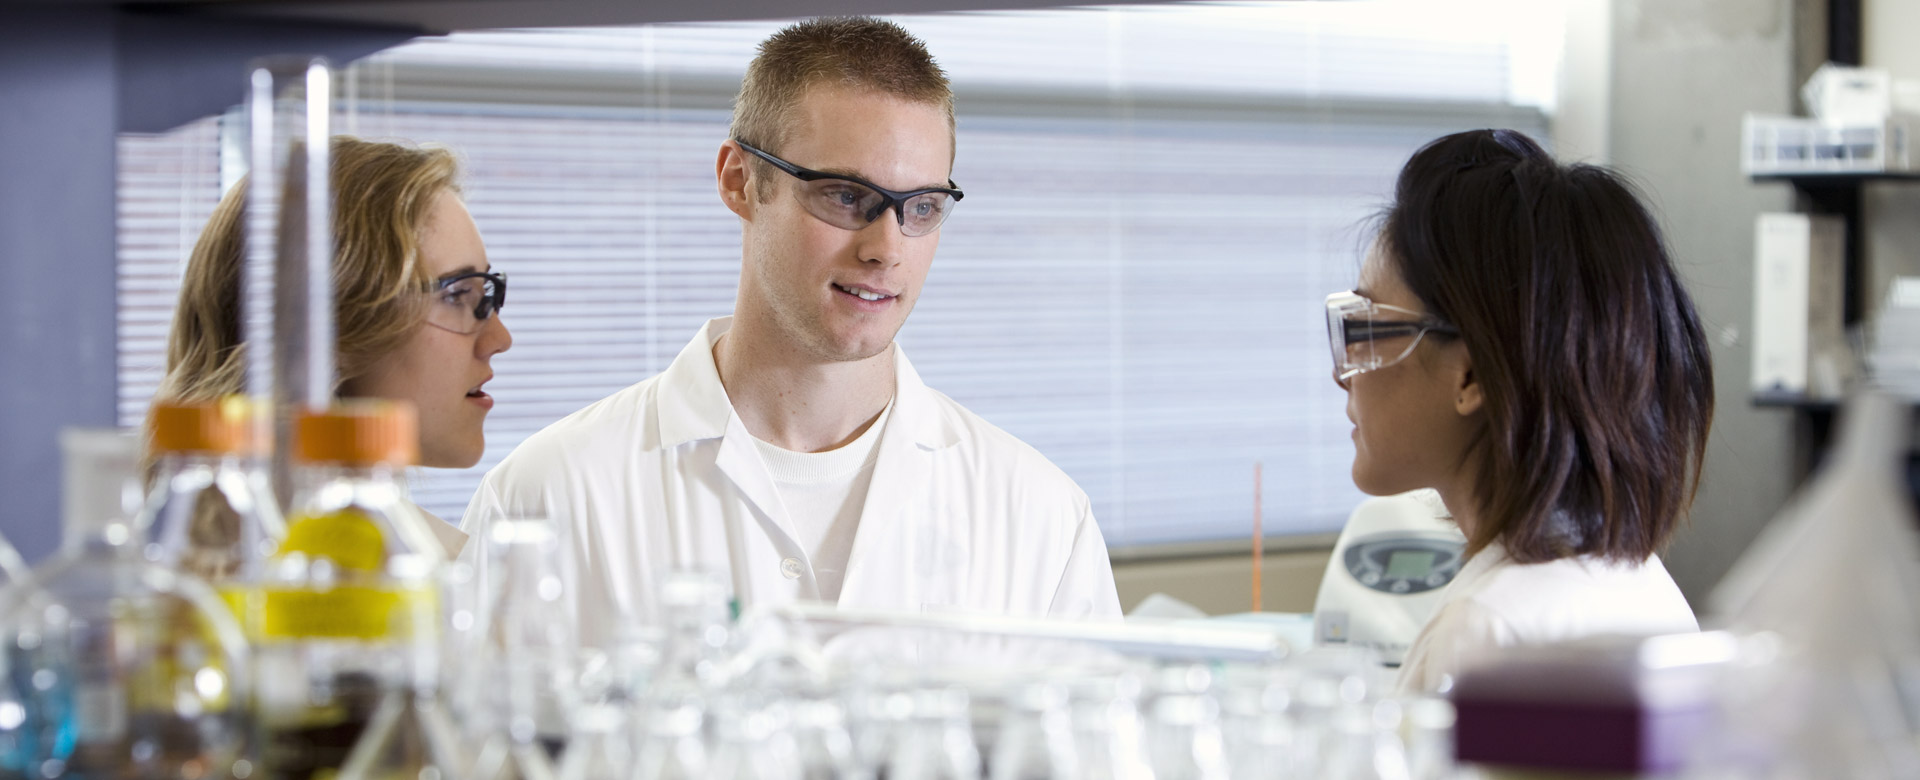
x=465, y=269
x=851, y=174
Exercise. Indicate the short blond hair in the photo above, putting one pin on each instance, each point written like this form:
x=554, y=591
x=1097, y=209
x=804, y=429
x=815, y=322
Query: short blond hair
x=382, y=194
x=857, y=52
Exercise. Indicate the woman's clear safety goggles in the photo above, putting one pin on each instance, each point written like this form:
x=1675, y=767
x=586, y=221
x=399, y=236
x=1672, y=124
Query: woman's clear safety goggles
x=462, y=303
x=1366, y=336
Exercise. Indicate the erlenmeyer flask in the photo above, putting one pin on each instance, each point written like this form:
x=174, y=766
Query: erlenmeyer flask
x=1825, y=600
x=1036, y=736
x=1262, y=738
x=601, y=747
x=1183, y=726
x=937, y=742
x=1108, y=727
x=1364, y=743
x=409, y=736
x=820, y=734
x=675, y=745
x=117, y=667
x=528, y=647
x=753, y=740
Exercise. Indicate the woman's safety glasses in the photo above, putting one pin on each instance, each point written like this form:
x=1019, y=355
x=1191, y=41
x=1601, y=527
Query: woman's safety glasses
x=462, y=303
x=1367, y=335
x=852, y=203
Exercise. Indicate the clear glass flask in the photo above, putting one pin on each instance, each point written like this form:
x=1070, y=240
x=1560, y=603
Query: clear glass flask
x=1036, y=740
x=116, y=667
x=527, y=652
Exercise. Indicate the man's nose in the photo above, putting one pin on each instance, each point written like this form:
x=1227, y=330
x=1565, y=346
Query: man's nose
x=881, y=241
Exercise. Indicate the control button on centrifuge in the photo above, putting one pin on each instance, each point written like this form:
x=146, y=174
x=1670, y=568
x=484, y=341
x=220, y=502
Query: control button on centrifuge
x=790, y=568
x=1436, y=580
x=1370, y=578
x=1400, y=586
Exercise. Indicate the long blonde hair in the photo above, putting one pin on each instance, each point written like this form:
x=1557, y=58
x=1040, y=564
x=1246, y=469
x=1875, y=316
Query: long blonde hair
x=382, y=194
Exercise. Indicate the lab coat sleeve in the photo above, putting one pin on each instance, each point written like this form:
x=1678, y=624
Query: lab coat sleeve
x=1086, y=587
x=1457, y=635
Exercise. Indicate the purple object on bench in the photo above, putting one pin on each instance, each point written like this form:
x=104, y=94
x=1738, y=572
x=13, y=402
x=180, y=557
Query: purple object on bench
x=1612, y=704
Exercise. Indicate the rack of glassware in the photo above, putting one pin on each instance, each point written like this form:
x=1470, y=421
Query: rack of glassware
x=144, y=651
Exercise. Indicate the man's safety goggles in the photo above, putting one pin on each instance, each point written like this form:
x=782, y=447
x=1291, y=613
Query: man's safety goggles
x=1366, y=336
x=851, y=203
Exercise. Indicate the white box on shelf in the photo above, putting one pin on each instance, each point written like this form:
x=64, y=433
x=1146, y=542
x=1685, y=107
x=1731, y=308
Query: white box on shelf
x=1793, y=145
x=1839, y=93
x=1799, y=347
x=1896, y=349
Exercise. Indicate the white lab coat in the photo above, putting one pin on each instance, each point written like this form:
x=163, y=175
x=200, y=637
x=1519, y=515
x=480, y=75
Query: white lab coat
x=1495, y=602
x=663, y=475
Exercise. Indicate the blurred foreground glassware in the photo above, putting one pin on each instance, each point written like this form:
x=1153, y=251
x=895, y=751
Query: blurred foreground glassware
x=675, y=744
x=210, y=513
x=753, y=739
x=117, y=667
x=1183, y=726
x=936, y=743
x=527, y=652
x=1108, y=727
x=1827, y=681
x=347, y=616
x=1035, y=739
x=601, y=747
x=1259, y=727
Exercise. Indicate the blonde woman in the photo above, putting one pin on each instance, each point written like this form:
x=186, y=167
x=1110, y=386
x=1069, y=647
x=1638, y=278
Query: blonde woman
x=415, y=301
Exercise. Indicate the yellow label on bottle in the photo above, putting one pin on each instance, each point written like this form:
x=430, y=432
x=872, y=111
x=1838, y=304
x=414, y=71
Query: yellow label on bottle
x=364, y=607
x=344, y=612
x=353, y=541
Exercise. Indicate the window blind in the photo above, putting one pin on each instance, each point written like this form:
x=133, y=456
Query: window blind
x=1158, y=198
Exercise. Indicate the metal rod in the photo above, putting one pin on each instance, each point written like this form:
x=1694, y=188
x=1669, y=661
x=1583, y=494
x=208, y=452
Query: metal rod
x=287, y=289
x=319, y=255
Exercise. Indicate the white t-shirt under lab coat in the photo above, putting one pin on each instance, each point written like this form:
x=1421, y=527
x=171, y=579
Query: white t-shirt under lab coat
x=959, y=516
x=823, y=493
x=1495, y=602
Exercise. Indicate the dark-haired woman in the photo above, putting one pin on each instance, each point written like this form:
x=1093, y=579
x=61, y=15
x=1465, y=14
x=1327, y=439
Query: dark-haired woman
x=1521, y=342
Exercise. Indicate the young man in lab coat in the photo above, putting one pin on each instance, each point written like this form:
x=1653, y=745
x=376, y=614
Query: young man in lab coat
x=792, y=446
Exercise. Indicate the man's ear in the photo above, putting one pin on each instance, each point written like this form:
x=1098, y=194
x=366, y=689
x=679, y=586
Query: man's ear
x=1468, y=397
x=735, y=180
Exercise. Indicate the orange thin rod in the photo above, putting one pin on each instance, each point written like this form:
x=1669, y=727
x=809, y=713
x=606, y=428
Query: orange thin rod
x=1259, y=546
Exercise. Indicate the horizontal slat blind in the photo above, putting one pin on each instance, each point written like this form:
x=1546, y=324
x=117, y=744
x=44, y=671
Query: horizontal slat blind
x=167, y=187
x=1157, y=200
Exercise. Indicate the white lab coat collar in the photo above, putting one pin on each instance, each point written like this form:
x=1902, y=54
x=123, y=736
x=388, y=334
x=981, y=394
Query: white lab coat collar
x=693, y=405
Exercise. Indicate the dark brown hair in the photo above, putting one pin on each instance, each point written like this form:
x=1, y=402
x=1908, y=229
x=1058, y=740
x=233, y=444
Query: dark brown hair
x=857, y=52
x=1596, y=374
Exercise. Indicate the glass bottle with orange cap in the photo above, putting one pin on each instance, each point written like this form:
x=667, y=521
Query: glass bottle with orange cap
x=346, y=628
x=209, y=514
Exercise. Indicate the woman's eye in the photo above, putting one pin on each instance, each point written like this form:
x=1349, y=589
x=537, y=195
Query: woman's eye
x=460, y=294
